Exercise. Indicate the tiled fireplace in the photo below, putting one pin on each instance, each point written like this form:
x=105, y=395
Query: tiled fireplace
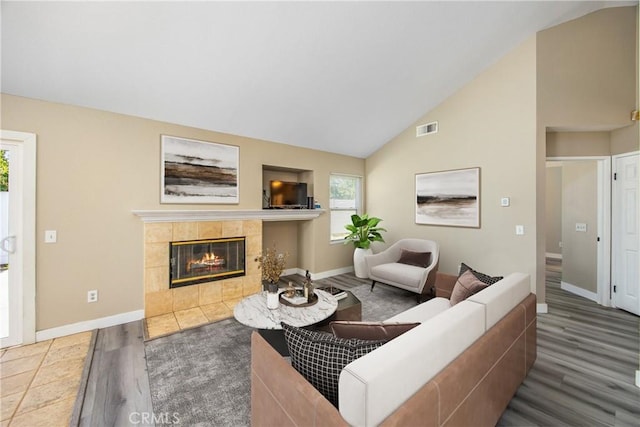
x=215, y=298
x=205, y=260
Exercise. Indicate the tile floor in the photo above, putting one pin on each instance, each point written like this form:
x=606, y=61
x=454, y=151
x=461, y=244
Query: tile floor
x=39, y=382
x=184, y=319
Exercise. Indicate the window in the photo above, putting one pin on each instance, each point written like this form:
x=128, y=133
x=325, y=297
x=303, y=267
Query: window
x=345, y=199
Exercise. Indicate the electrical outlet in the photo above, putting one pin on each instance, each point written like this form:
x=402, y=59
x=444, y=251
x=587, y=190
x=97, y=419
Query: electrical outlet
x=504, y=202
x=520, y=230
x=92, y=296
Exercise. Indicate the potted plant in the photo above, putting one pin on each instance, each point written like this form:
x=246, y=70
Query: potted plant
x=362, y=231
x=272, y=265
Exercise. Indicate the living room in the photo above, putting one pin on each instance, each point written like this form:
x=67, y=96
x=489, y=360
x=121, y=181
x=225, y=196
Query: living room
x=96, y=168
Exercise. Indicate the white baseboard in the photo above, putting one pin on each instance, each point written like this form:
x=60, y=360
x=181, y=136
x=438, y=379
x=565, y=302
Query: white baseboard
x=542, y=308
x=553, y=256
x=579, y=291
x=89, y=325
x=638, y=378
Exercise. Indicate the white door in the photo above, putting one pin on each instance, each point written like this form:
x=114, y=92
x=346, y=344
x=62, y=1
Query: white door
x=626, y=210
x=17, y=238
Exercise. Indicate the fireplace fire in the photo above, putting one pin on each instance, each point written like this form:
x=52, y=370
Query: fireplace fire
x=200, y=261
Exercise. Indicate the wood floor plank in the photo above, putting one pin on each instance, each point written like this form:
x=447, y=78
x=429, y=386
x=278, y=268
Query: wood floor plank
x=118, y=385
x=584, y=371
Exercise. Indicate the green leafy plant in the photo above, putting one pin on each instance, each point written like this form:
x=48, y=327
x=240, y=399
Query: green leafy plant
x=363, y=230
x=4, y=171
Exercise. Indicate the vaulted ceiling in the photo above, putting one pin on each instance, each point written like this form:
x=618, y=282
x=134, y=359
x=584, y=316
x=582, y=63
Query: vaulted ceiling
x=343, y=77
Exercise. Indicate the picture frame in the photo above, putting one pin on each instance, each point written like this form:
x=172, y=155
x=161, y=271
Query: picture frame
x=448, y=198
x=194, y=171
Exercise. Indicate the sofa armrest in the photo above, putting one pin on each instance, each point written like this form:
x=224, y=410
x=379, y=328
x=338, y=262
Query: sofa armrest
x=281, y=396
x=444, y=284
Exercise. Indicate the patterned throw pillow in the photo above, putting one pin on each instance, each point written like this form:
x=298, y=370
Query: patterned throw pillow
x=481, y=276
x=466, y=285
x=320, y=357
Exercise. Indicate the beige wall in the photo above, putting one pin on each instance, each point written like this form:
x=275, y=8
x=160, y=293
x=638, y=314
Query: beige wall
x=626, y=139
x=567, y=144
x=579, y=205
x=95, y=167
x=618, y=141
x=587, y=70
x=586, y=80
x=489, y=123
x=284, y=235
x=554, y=209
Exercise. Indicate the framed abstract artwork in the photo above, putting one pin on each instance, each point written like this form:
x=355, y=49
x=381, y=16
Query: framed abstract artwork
x=450, y=198
x=198, y=172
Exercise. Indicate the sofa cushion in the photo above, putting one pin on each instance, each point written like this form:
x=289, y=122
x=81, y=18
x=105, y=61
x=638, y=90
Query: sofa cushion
x=374, y=386
x=481, y=276
x=501, y=297
x=418, y=259
x=395, y=272
x=370, y=330
x=422, y=312
x=319, y=356
x=466, y=285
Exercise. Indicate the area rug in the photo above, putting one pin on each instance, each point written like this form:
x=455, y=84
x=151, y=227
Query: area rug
x=201, y=376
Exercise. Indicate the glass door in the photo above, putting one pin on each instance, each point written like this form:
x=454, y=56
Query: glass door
x=10, y=282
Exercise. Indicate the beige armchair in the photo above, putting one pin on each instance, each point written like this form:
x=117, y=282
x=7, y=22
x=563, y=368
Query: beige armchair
x=406, y=265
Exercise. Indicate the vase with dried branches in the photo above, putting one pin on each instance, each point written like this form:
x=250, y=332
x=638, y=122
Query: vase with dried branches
x=272, y=264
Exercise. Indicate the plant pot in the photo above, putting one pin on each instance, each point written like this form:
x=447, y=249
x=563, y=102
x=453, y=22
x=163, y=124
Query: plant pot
x=359, y=264
x=272, y=297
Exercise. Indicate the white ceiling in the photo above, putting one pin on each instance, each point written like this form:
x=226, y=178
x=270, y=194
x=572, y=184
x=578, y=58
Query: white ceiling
x=343, y=77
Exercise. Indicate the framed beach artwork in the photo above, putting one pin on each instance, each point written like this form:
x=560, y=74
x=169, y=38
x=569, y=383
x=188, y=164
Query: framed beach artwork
x=449, y=198
x=198, y=172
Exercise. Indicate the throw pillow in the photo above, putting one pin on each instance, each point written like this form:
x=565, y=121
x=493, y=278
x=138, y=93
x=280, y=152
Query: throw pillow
x=481, y=276
x=466, y=285
x=370, y=330
x=320, y=357
x=419, y=259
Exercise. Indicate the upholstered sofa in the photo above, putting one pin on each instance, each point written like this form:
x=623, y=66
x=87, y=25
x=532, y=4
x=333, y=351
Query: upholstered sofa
x=459, y=367
x=409, y=264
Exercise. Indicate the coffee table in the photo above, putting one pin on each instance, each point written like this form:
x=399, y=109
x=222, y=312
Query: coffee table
x=252, y=311
x=348, y=308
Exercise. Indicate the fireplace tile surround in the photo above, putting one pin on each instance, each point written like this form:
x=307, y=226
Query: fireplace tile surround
x=199, y=303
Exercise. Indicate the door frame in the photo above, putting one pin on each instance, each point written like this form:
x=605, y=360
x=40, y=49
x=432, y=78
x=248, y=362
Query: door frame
x=27, y=229
x=604, y=223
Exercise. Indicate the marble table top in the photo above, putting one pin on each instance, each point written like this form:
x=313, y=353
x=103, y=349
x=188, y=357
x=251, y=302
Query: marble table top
x=252, y=311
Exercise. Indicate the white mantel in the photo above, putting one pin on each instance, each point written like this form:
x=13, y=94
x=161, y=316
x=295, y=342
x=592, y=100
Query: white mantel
x=228, y=215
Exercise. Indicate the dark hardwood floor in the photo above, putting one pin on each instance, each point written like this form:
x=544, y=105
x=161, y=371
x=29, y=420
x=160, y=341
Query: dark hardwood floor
x=117, y=388
x=583, y=375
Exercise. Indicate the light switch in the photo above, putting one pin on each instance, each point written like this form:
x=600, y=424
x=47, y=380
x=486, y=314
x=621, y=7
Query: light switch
x=504, y=202
x=581, y=226
x=520, y=230
x=50, y=236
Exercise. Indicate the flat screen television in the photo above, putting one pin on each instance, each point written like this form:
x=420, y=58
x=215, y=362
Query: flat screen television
x=284, y=194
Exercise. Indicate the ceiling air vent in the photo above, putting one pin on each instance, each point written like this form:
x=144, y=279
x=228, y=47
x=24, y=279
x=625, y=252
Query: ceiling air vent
x=426, y=129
